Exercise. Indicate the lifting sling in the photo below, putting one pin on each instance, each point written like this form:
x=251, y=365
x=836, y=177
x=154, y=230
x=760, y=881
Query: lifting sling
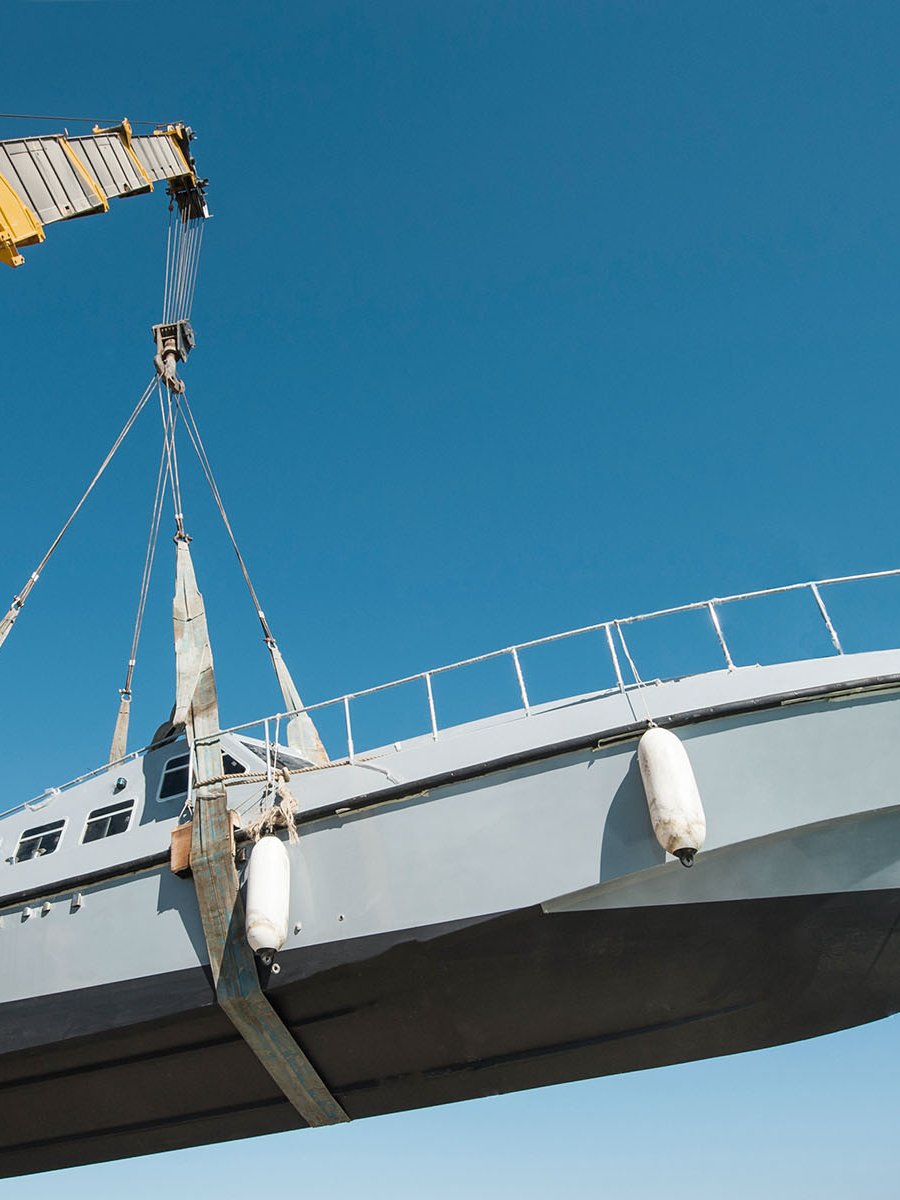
x=231, y=960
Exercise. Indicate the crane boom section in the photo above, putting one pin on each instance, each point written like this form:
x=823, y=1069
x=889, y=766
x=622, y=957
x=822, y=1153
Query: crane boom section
x=57, y=178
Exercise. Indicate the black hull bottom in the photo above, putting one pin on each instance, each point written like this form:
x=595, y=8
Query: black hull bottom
x=446, y=1013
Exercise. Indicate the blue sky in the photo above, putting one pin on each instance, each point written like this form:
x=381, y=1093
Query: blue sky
x=511, y=317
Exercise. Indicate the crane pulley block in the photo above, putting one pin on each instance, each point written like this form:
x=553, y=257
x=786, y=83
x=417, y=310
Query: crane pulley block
x=174, y=342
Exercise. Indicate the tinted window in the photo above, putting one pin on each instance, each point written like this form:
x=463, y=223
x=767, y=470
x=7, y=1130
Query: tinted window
x=175, y=774
x=42, y=839
x=282, y=758
x=105, y=822
x=175, y=777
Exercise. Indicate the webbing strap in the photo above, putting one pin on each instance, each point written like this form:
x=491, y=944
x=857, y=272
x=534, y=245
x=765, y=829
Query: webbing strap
x=231, y=960
x=234, y=968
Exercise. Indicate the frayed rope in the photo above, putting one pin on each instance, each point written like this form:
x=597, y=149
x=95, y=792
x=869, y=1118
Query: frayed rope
x=281, y=813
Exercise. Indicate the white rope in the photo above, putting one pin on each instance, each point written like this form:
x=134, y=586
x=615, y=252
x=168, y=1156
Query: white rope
x=639, y=683
x=275, y=806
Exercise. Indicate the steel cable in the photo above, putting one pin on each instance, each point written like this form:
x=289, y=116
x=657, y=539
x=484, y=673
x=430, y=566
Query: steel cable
x=206, y=467
x=162, y=480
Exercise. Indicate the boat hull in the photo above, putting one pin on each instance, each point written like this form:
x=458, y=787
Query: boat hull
x=494, y=913
x=401, y=1021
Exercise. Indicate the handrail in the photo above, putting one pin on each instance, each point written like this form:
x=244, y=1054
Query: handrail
x=813, y=586
x=711, y=606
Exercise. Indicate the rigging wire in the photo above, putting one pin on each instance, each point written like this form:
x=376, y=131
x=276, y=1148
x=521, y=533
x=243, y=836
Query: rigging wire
x=206, y=467
x=301, y=730
x=7, y=622
x=170, y=413
x=194, y=268
x=119, y=745
x=183, y=242
x=169, y=229
x=81, y=120
x=162, y=480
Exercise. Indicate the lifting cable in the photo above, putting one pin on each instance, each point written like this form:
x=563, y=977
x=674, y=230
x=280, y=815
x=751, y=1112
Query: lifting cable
x=170, y=413
x=119, y=745
x=235, y=977
x=167, y=478
x=183, y=242
x=79, y=120
x=301, y=734
x=232, y=963
x=200, y=450
x=7, y=621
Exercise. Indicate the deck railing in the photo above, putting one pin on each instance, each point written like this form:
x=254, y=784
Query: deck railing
x=617, y=647
x=613, y=638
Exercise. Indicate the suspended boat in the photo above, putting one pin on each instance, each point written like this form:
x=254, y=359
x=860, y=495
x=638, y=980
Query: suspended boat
x=234, y=932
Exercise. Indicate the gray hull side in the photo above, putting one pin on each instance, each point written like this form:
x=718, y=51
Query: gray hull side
x=435, y=1015
x=571, y=825
x=513, y=927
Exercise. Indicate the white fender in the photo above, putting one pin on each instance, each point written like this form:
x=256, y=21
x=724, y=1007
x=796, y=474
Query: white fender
x=268, y=895
x=676, y=811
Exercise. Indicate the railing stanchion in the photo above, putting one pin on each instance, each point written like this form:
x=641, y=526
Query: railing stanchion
x=832, y=632
x=620, y=682
x=515, y=657
x=719, y=634
x=431, y=712
x=351, y=754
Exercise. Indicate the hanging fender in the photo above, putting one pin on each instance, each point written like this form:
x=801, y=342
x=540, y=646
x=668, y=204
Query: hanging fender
x=268, y=898
x=676, y=811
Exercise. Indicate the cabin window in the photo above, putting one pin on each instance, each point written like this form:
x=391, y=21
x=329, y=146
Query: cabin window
x=282, y=758
x=40, y=840
x=232, y=766
x=175, y=775
x=105, y=822
x=175, y=778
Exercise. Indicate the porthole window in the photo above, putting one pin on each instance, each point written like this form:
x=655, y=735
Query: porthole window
x=40, y=840
x=108, y=821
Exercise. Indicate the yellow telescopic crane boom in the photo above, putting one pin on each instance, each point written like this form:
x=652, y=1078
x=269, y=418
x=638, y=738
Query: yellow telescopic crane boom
x=57, y=178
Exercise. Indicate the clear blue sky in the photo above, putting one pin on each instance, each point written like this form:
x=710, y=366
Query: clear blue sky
x=512, y=317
